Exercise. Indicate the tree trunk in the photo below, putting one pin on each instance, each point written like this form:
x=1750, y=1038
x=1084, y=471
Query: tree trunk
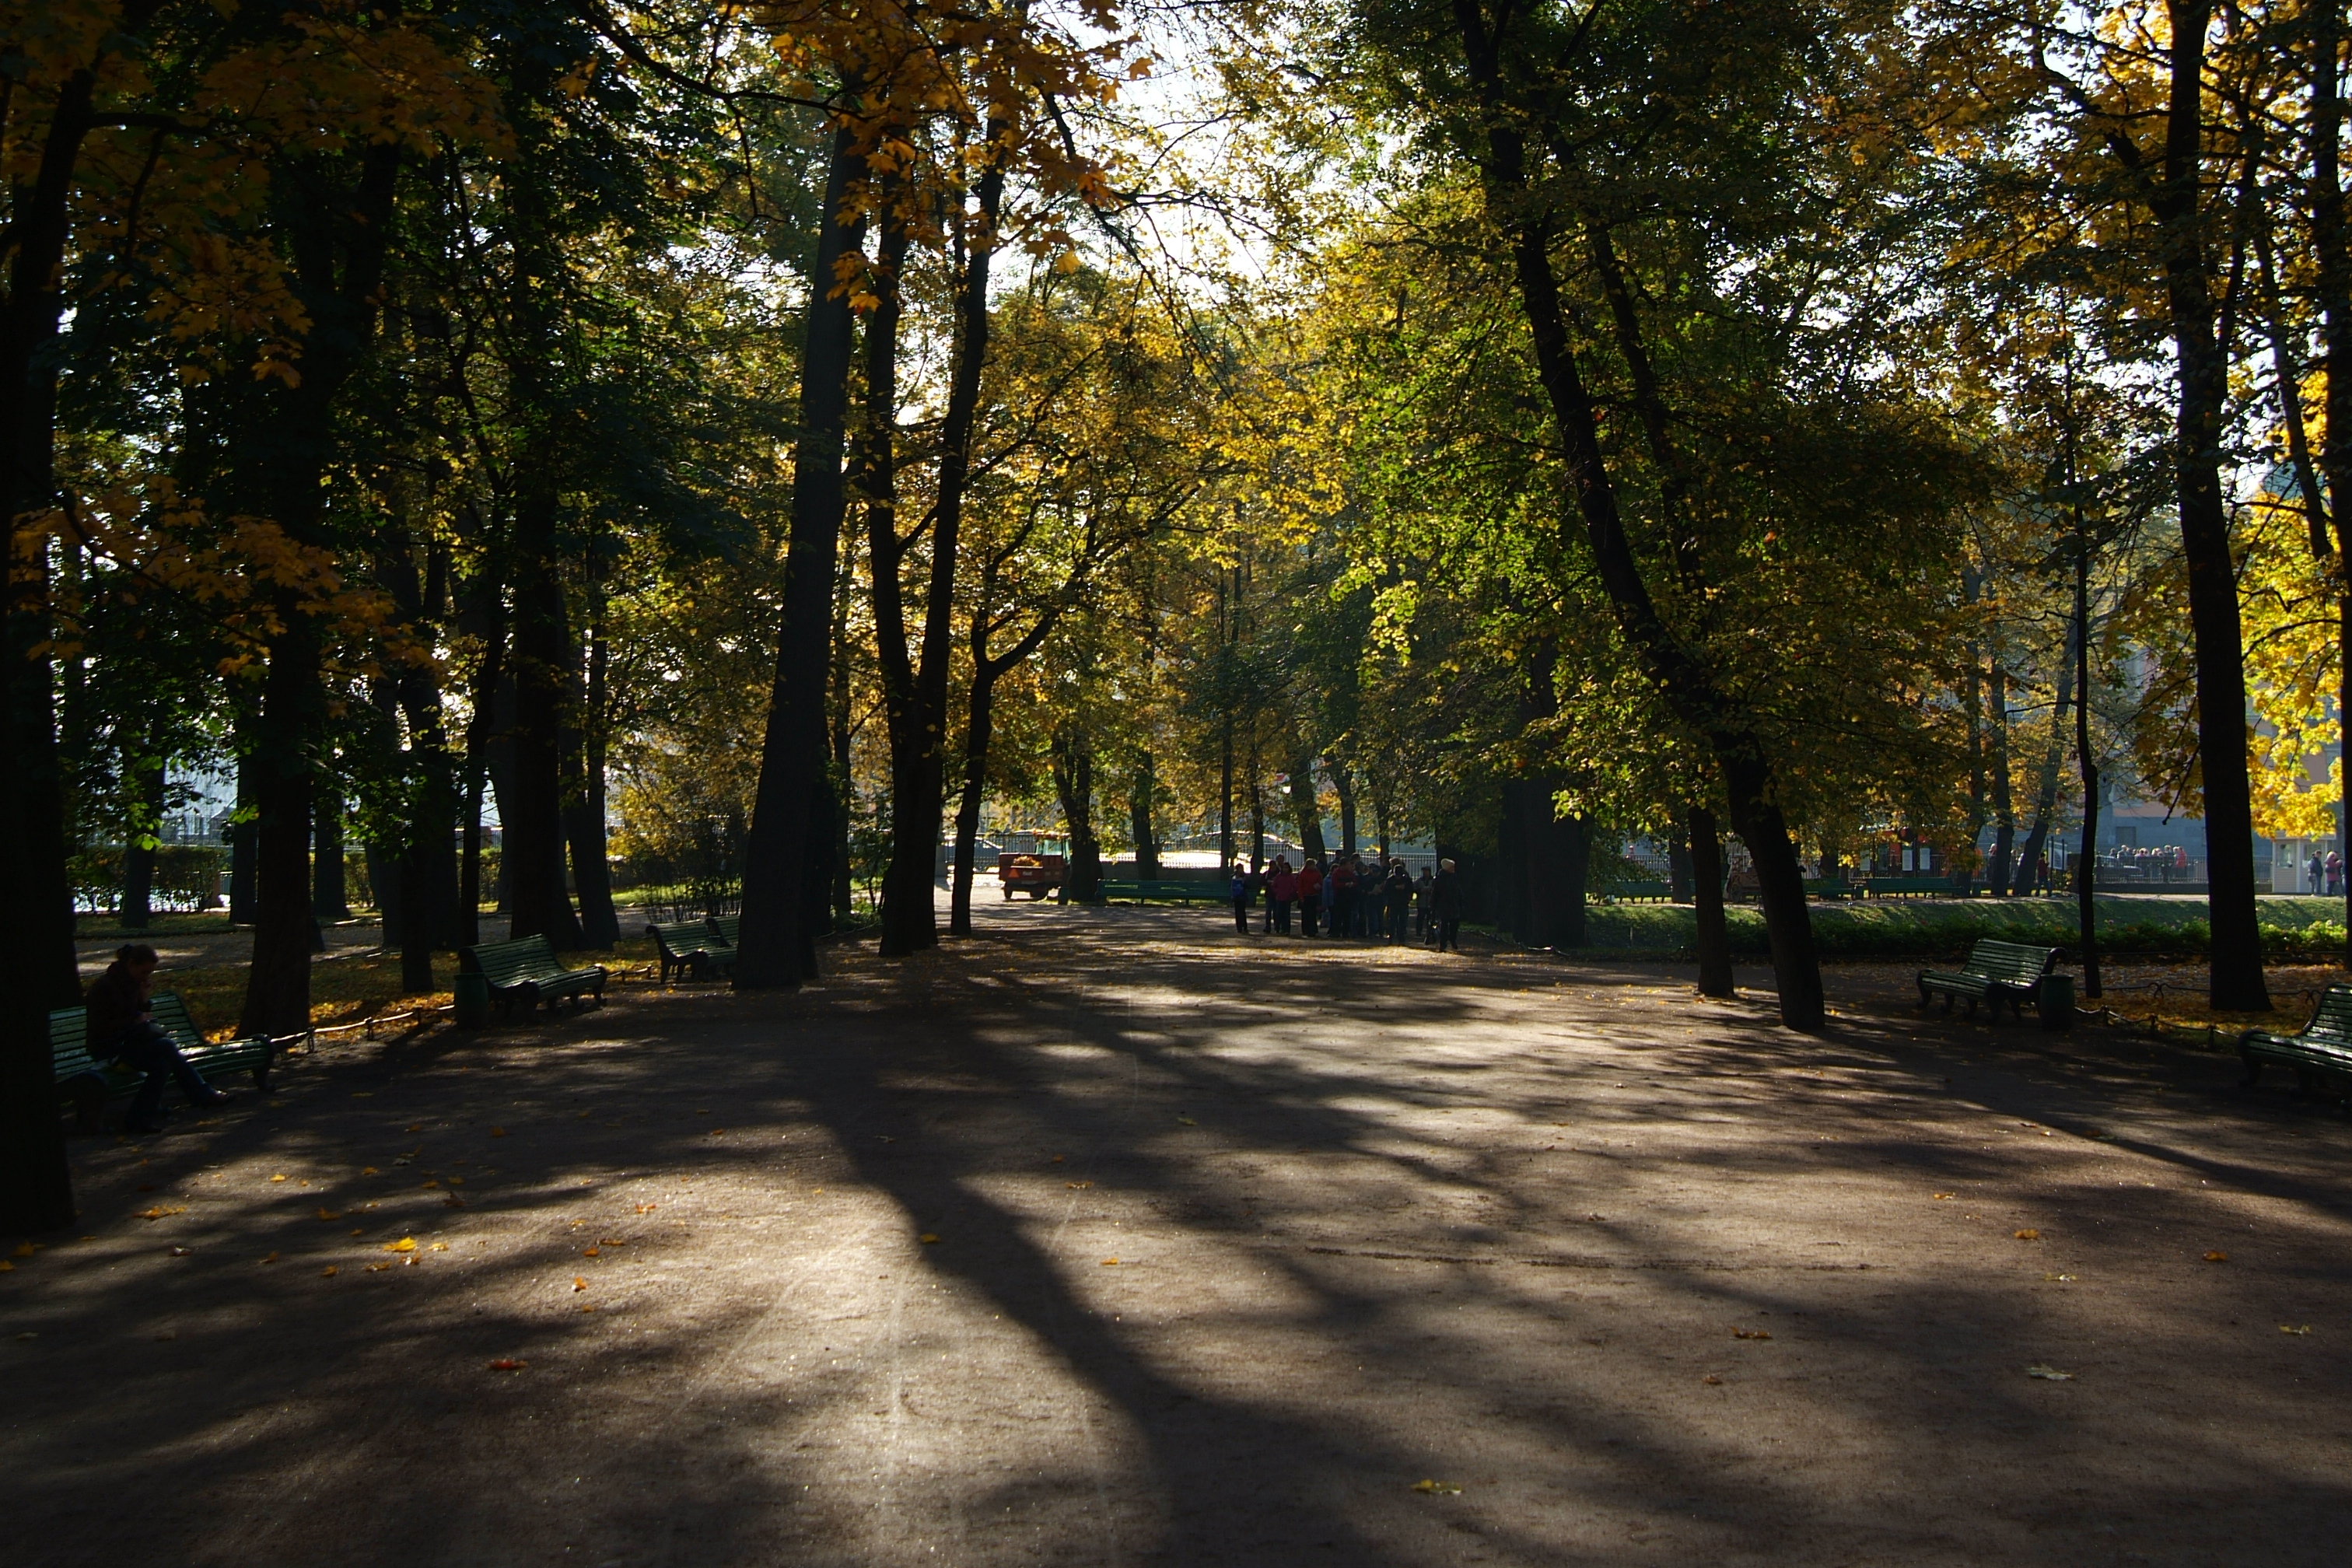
x=385, y=888
x=777, y=950
x=2332, y=247
x=1074, y=783
x=489, y=614
x=1678, y=871
x=138, y=845
x=241, y=845
x=838, y=715
x=584, y=811
x=1681, y=679
x=287, y=456
x=2086, y=908
x=1517, y=871
x=918, y=694
x=1343, y=784
x=1571, y=859
x=37, y=970
x=1999, y=869
x=980, y=728
x=2178, y=205
x=533, y=817
x=1714, y=936
x=328, y=899
x=1140, y=792
x=1307, y=806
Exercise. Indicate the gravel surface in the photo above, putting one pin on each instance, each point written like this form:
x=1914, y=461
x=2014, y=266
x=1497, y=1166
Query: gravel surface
x=1109, y=1238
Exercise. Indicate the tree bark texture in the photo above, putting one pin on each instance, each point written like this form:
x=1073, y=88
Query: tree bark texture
x=542, y=666
x=1714, y=933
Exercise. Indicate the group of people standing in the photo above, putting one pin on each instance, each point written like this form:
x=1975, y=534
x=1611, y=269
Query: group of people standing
x=1353, y=896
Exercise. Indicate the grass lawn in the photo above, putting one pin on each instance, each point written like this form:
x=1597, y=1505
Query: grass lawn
x=1927, y=928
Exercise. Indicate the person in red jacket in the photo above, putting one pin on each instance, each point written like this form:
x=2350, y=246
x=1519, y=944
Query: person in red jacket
x=1343, y=894
x=1310, y=896
x=1281, y=891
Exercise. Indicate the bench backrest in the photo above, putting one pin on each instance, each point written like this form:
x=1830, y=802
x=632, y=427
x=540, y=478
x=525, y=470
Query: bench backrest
x=2332, y=1018
x=505, y=963
x=69, y=1042
x=2010, y=961
x=171, y=1014
x=679, y=940
x=727, y=929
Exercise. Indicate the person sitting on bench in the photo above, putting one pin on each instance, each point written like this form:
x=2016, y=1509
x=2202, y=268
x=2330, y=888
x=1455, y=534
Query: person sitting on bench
x=122, y=1028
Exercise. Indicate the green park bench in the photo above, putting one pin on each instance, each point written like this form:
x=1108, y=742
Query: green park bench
x=86, y=1083
x=527, y=971
x=689, y=946
x=1917, y=885
x=729, y=930
x=1166, y=891
x=1995, y=971
x=2321, y=1056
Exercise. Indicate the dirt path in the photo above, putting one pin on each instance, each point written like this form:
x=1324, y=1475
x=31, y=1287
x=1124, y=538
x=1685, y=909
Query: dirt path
x=1648, y=1279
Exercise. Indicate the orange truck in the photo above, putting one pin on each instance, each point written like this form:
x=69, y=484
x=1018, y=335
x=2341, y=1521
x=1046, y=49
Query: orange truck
x=1036, y=875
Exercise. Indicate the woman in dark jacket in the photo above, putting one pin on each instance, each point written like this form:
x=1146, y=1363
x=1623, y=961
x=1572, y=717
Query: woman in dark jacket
x=121, y=1028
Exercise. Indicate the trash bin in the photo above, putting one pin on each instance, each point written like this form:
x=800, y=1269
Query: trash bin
x=2056, y=1001
x=472, y=996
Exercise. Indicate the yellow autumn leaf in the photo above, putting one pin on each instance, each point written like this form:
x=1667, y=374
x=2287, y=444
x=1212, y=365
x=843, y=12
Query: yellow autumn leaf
x=406, y=1244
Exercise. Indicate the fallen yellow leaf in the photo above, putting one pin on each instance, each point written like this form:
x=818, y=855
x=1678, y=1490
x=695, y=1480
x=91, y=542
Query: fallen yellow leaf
x=329, y=1214
x=378, y=1267
x=406, y=1244
x=271, y=1259
x=2049, y=1373
x=2029, y=1235
x=498, y=1131
x=370, y=1171
x=1711, y=1380
x=440, y=1246
x=1946, y=1194
x=26, y=1248
x=927, y=1239
x=648, y=1208
x=1751, y=1333
x=327, y=1272
x=579, y=1284
x=2217, y=1257
x=1110, y=1263
x=1188, y=1121
x=588, y=1252
x=277, y=1178
x=1437, y=1488
x=2292, y=1329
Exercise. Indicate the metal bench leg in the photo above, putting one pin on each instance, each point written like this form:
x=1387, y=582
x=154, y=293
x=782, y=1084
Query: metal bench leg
x=2253, y=1071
